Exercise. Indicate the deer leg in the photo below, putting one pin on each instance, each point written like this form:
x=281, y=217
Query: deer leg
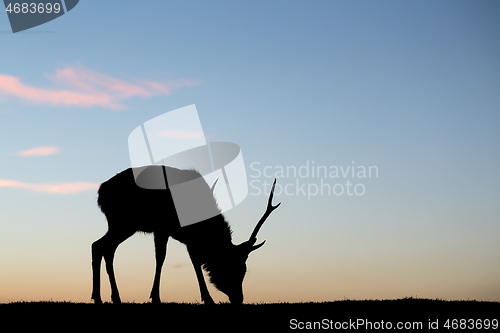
x=205, y=295
x=113, y=239
x=97, y=254
x=161, y=252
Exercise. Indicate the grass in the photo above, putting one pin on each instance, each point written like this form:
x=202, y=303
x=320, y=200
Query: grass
x=224, y=316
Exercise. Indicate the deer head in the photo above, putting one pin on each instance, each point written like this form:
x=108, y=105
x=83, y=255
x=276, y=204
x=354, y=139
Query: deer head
x=227, y=274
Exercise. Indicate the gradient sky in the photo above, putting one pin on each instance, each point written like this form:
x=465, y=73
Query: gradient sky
x=409, y=87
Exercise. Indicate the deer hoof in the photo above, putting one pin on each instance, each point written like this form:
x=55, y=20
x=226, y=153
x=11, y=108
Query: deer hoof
x=209, y=301
x=97, y=299
x=116, y=299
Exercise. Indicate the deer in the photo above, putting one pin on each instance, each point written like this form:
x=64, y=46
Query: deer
x=129, y=208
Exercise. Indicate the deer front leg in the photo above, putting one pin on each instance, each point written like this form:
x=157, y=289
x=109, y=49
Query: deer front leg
x=205, y=295
x=161, y=252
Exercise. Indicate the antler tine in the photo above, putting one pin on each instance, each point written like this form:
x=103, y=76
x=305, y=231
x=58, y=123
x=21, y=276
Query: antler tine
x=213, y=186
x=268, y=212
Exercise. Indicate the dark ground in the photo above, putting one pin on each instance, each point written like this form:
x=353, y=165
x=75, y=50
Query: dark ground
x=276, y=317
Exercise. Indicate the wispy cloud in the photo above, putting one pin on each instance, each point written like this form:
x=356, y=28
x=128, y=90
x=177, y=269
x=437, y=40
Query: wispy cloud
x=83, y=87
x=39, y=151
x=62, y=188
x=180, y=135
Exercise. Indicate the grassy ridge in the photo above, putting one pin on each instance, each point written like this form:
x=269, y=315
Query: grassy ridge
x=276, y=316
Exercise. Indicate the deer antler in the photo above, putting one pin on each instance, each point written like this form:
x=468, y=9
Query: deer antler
x=268, y=212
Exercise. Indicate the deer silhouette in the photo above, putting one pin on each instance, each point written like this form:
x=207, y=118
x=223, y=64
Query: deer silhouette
x=129, y=208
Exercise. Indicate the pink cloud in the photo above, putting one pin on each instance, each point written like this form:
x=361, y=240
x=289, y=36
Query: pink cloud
x=87, y=88
x=39, y=151
x=180, y=135
x=63, y=188
x=166, y=88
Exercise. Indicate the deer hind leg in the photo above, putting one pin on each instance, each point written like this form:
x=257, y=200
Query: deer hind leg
x=161, y=252
x=97, y=254
x=106, y=247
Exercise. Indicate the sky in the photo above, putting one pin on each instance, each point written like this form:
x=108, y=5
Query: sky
x=405, y=94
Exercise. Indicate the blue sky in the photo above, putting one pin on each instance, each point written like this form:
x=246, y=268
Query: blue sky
x=409, y=87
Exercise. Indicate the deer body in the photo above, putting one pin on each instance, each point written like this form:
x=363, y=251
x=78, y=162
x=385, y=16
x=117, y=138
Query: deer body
x=129, y=209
